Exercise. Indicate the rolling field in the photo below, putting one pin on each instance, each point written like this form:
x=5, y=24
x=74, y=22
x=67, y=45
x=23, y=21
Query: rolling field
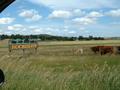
x=55, y=66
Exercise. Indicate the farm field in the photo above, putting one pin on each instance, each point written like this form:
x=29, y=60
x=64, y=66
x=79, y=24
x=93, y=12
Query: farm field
x=55, y=66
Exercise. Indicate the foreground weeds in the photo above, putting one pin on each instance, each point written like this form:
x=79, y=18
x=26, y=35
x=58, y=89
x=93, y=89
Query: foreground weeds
x=58, y=68
x=88, y=78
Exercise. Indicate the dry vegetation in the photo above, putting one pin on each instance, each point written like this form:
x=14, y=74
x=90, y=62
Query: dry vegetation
x=56, y=67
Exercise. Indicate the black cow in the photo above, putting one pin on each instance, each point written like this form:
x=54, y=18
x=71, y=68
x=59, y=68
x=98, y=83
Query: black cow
x=2, y=77
x=96, y=49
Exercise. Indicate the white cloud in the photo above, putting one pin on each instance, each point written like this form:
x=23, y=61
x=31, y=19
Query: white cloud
x=72, y=32
x=94, y=14
x=38, y=31
x=60, y=14
x=30, y=15
x=82, y=28
x=16, y=27
x=84, y=21
x=78, y=12
x=6, y=20
x=8, y=33
x=67, y=14
x=114, y=13
x=43, y=30
x=89, y=18
x=82, y=4
x=33, y=27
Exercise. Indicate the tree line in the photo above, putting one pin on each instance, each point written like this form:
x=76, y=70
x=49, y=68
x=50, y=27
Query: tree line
x=45, y=37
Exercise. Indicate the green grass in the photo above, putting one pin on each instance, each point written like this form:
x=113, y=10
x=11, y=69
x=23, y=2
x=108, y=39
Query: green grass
x=56, y=67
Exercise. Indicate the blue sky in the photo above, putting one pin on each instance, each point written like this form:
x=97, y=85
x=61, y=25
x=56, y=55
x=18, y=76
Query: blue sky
x=62, y=17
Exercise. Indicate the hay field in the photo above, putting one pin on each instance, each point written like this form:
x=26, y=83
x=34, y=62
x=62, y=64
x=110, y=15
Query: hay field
x=55, y=66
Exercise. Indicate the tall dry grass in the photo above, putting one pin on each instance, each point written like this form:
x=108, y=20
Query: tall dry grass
x=57, y=68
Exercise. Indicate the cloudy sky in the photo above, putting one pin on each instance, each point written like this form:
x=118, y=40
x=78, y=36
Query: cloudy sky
x=62, y=17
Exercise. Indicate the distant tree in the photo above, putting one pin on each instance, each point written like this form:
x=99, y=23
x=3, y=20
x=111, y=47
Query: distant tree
x=80, y=38
x=45, y=37
x=90, y=37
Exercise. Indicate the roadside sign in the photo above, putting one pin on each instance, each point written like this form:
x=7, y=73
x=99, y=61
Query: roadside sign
x=22, y=44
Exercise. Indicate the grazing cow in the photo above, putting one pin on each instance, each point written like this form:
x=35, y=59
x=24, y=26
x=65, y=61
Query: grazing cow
x=106, y=49
x=103, y=49
x=96, y=49
x=78, y=51
x=2, y=77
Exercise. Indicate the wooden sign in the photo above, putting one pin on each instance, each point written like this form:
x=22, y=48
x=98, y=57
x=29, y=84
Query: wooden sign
x=22, y=46
x=19, y=44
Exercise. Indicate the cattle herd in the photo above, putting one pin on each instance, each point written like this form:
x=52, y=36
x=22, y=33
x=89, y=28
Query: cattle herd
x=102, y=50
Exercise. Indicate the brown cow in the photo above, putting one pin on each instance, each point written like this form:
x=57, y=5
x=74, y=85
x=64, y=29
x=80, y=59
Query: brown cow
x=106, y=49
x=103, y=49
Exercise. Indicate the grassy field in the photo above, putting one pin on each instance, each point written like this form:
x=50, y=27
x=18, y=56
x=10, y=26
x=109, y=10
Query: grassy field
x=55, y=66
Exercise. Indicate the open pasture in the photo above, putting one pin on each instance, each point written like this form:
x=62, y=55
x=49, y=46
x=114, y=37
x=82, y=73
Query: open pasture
x=55, y=66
